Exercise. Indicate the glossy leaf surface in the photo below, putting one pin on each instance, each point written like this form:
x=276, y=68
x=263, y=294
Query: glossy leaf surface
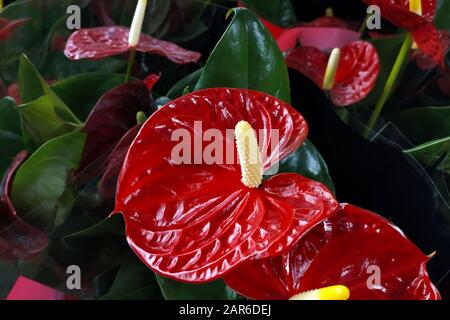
x=41, y=190
x=247, y=57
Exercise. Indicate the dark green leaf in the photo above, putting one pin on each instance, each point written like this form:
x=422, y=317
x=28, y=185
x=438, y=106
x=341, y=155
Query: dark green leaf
x=420, y=125
x=44, y=114
x=216, y=290
x=10, y=132
x=433, y=153
x=58, y=66
x=308, y=162
x=442, y=20
x=247, y=56
x=40, y=187
x=188, y=81
x=280, y=12
x=110, y=226
x=81, y=92
x=134, y=281
x=34, y=37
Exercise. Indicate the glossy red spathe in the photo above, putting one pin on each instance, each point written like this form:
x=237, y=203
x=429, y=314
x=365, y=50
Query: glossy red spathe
x=357, y=71
x=346, y=249
x=196, y=222
x=421, y=27
x=111, y=118
x=102, y=42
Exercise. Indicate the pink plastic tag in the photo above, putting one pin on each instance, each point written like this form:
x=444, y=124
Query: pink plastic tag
x=26, y=289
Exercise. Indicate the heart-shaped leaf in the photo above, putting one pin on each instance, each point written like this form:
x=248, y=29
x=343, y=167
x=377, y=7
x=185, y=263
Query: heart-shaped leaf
x=247, y=56
x=308, y=162
x=41, y=185
x=281, y=12
x=133, y=281
x=420, y=125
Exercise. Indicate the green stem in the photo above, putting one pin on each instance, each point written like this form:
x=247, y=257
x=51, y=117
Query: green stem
x=363, y=27
x=406, y=46
x=130, y=65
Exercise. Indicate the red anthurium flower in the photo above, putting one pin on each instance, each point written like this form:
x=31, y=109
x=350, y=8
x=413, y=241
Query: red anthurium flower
x=196, y=218
x=355, y=248
x=18, y=240
x=7, y=27
x=323, y=33
x=355, y=70
x=112, y=117
x=418, y=21
x=101, y=42
x=424, y=61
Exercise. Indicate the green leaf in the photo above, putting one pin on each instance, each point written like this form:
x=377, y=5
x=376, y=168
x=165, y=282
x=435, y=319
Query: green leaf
x=10, y=132
x=32, y=85
x=308, y=162
x=81, y=92
x=111, y=226
x=280, y=12
x=247, y=56
x=420, y=125
x=35, y=36
x=433, y=153
x=58, y=66
x=174, y=290
x=40, y=187
x=188, y=81
x=442, y=21
x=45, y=116
x=134, y=281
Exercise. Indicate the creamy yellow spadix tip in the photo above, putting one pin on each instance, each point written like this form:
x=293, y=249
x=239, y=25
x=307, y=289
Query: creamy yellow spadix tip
x=329, y=12
x=136, y=25
x=249, y=155
x=415, y=6
x=332, y=67
x=337, y=292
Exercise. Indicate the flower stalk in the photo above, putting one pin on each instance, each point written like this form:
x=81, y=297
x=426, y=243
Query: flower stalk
x=387, y=91
x=135, y=34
